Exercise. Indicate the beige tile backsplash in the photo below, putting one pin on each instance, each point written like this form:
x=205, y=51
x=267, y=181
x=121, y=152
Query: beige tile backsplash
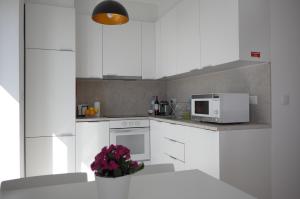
x=120, y=97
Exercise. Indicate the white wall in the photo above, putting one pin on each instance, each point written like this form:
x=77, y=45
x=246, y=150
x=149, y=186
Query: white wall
x=11, y=101
x=285, y=56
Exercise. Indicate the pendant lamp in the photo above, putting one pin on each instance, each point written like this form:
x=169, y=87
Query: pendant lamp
x=110, y=12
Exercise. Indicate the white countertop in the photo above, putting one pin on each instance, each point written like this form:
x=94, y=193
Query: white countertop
x=192, y=184
x=201, y=125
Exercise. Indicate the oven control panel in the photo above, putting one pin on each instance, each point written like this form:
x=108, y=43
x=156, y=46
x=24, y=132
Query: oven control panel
x=119, y=124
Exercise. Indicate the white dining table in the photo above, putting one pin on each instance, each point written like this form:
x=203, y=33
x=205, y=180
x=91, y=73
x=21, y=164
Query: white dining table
x=192, y=184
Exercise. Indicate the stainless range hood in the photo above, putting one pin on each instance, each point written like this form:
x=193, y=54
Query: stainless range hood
x=117, y=77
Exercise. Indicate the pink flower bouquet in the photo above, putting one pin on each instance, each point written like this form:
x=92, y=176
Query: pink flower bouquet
x=114, y=161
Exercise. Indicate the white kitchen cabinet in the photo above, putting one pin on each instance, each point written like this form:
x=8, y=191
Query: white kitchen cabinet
x=254, y=29
x=202, y=150
x=50, y=93
x=148, y=51
x=91, y=137
x=88, y=47
x=211, y=33
x=168, y=44
x=231, y=30
x=122, y=50
x=50, y=155
x=163, y=149
x=188, y=36
x=240, y=158
x=185, y=147
x=158, y=50
x=157, y=132
x=219, y=24
x=50, y=27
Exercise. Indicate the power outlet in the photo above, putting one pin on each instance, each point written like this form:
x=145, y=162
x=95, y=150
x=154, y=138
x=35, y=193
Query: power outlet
x=253, y=100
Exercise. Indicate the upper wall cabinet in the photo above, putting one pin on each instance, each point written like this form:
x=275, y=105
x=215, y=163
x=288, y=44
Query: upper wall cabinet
x=122, y=50
x=219, y=31
x=88, y=48
x=55, y=27
x=148, y=51
x=168, y=44
x=234, y=30
x=201, y=33
x=188, y=36
x=254, y=30
x=158, y=61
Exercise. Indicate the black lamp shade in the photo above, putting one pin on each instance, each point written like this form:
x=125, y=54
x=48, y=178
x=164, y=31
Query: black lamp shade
x=110, y=12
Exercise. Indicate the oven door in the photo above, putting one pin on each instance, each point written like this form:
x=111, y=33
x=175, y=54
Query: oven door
x=135, y=139
x=208, y=107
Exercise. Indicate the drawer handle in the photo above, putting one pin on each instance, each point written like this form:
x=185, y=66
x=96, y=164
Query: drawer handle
x=172, y=157
x=172, y=140
x=175, y=158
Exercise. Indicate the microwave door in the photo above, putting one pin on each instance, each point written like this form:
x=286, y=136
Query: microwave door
x=136, y=139
x=201, y=107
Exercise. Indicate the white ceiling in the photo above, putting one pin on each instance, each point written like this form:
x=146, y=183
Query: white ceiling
x=162, y=5
x=157, y=2
x=145, y=10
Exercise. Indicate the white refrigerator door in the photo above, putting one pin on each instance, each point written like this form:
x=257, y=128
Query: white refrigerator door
x=50, y=155
x=50, y=93
x=50, y=27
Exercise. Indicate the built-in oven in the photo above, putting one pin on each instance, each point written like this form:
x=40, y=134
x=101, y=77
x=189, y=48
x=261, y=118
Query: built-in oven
x=134, y=134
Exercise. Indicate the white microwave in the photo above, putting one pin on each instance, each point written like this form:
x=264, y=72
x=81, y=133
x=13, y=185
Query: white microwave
x=220, y=108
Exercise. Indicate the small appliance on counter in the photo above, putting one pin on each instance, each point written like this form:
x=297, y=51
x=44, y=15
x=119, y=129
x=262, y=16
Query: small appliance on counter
x=164, y=108
x=220, y=108
x=81, y=109
x=97, y=106
x=85, y=110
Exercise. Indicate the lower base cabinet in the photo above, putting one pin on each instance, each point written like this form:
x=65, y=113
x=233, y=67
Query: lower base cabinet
x=239, y=157
x=91, y=137
x=185, y=147
x=50, y=155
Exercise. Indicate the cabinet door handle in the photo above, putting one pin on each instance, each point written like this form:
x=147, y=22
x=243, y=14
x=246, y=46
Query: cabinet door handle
x=65, y=49
x=65, y=134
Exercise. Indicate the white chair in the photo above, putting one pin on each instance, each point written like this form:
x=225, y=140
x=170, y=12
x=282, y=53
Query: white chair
x=41, y=181
x=156, y=168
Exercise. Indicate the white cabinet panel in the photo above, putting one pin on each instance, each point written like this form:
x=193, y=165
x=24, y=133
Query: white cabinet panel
x=148, y=51
x=202, y=151
x=50, y=155
x=168, y=44
x=91, y=137
x=174, y=149
x=185, y=147
x=219, y=25
x=188, y=36
x=158, y=49
x=50, y=27
x=156, y=142
x=88, y=48
x=50, y=93
x=122, y=50
x=178, y=165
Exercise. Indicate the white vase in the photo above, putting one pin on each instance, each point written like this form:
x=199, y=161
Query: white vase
x=113, y=188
